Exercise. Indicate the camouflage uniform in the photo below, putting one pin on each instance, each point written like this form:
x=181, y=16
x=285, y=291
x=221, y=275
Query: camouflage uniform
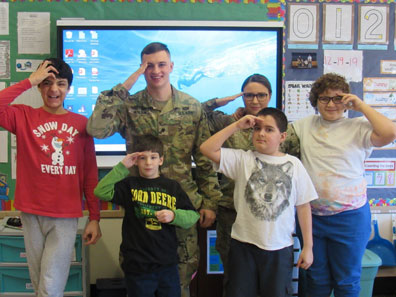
x=242, y=139
x=291, y=145
x=182, y=127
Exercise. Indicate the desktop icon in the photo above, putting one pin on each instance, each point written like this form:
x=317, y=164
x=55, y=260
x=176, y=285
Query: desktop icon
x=82, y=91
x=94, y=53
x=94, y=34
x=81, y=71
x=81, y=53
x=69, y=53
x=82, y=109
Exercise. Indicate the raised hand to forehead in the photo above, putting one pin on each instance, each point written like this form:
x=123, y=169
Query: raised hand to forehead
x=131, y=159
x=44, y=71
x=249, y=121
x=351, y=101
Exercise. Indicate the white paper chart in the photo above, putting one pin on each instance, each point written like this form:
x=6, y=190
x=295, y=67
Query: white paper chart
x=297, y=105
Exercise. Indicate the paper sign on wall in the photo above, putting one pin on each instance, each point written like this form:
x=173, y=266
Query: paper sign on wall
x=3, y=146
x=4, y=19
x=33, y=33
x=380, y=173
x=346, y=63
x=297, y=105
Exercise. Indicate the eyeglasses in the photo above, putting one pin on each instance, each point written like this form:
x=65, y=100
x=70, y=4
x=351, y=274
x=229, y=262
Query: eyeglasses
x=259, y=96
x=326, y=100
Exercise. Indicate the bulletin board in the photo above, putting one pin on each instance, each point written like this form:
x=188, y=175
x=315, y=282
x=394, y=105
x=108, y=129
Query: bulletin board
x=355, y=39
x=229, y=10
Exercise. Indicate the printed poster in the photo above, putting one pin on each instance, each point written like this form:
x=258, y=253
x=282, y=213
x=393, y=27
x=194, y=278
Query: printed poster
x=213, y=261
x=297, y=104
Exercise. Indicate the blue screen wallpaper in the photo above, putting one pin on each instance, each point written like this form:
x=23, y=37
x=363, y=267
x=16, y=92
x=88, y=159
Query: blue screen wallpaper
x=207, y=63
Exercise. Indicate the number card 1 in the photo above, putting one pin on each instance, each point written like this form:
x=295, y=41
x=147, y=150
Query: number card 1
x=338, y=23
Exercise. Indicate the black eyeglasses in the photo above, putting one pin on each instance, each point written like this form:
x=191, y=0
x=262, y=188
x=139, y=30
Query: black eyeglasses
x=259, y=96
x=326, y=100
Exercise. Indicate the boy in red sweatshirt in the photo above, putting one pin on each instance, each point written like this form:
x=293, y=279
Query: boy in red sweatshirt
x=56, y=165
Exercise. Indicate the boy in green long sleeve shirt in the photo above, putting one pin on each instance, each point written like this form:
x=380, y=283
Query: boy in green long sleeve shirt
x=154, y=205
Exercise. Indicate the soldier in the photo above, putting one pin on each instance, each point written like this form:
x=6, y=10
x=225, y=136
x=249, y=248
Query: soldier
x=179, y=122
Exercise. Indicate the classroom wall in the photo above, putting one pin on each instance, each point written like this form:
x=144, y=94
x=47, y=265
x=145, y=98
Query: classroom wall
x=119, y=10
x=104, y=255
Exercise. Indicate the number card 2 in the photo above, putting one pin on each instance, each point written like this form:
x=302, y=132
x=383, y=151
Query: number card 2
x=373, y=24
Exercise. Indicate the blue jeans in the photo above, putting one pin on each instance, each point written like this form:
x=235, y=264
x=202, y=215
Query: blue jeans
x=339, y=242
x=164, y=282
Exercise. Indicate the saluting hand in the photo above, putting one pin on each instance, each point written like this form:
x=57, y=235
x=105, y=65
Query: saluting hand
x=131, y=80
x=225, y=100
x=351, y=101
x=131, y=159
x=248, y=121
x=43, y=71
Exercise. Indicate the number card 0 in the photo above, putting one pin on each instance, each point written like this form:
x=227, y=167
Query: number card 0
x=303, y=23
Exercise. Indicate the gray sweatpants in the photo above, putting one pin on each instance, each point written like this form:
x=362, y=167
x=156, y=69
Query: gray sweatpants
x=49, y=244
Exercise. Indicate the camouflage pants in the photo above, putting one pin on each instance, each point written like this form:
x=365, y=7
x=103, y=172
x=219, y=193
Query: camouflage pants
x=188, y=251
x=225, y=218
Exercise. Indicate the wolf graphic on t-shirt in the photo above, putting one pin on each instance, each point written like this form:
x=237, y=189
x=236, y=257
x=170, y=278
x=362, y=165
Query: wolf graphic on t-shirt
x=268, y=189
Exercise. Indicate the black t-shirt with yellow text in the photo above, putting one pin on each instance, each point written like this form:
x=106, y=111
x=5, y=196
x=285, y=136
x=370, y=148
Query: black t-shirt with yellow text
x=148, y=244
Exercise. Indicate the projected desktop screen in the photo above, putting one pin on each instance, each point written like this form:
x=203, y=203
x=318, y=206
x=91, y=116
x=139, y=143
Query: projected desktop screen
x=209, y=61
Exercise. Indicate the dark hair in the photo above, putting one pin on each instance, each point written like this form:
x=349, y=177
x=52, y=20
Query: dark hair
x=63, y=68
x=148, y=143
x=153, y=48
x=258, y=78
x=278, y=115
x=328, y=81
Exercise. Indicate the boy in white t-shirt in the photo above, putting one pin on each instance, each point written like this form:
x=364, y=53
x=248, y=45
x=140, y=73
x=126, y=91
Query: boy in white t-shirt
x=268, y=186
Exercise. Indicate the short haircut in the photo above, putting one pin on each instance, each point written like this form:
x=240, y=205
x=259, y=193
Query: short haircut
x=64, y=70
x=153, y=48
x=328, y=81
x=278, y=115
x=148, y=143
x=258, y=78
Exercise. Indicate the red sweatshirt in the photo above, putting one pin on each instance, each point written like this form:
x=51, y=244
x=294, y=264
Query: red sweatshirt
x=56, y=161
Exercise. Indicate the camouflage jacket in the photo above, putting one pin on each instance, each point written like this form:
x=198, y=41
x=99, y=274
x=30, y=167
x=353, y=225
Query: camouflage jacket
x=241, y=140
x=291, y=145
x=181, y=126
